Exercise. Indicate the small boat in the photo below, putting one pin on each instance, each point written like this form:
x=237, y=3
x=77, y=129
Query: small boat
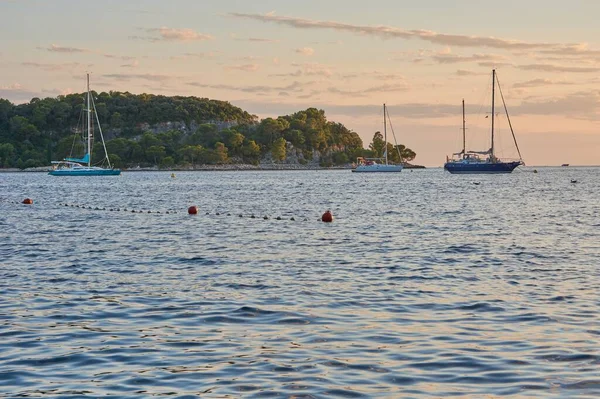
x=371, y=165
x=565, y=164
x=83, y=166
x=470, y=162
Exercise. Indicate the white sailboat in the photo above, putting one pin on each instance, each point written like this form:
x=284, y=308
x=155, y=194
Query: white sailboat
x=371, y=165
x=83, y=166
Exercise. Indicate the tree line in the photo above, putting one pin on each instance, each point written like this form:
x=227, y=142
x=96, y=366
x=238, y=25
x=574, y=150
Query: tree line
x=205, y=132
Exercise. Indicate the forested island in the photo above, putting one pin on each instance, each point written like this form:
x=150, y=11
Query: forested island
x=146, y=130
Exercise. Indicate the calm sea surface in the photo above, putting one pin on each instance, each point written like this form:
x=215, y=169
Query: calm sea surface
x=425, y=286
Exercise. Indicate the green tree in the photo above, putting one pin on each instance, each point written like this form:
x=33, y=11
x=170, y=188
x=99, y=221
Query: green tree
x=251, y=151
x=271, y=129
x=278, y=150
x=167, y=162
x=7, y=152
x=192, y=153
x=233, y=140
x=296, y=137
x=221, y=153
x=22, y=129
x=377, y=145
x=115, y=160
x=116, y=120
x=340, y=158
x=155, y=154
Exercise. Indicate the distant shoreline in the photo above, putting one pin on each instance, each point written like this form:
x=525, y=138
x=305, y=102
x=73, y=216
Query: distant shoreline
x=216, y=168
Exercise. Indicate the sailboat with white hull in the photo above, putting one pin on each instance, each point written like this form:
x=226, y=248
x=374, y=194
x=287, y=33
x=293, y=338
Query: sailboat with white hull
x=472, y=162
x=83, y=166
x=370, y=165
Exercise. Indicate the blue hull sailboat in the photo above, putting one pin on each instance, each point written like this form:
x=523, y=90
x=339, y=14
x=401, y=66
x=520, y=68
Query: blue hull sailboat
x=370, y=165
x=473, y=162
x=83, y=166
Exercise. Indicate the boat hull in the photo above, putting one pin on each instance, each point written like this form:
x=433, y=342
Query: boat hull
x=481, y=168
x=95, y=172
x=377, y=168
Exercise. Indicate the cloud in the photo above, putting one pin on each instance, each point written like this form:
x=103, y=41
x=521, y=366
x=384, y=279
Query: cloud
x=493, y=64
x=253, y=39
x=389, y=32
x=172, y=34
x=583, y=105
x=16, y=93
x=56, y=92
x=257, y=89
x=377, y=75
x=375, y=89
x=119, y=57
x=250, y=58
x=539, y=83
x=142, y=76
x=580, y=50
x=305, y=51
x=186, y=56
x=558, y=68
x=308, y=69
x=133, y=64
x=244, y=67
x=465, y=72
x=447, y=58
x=60, y=49
x=335, y=42
x=54, y=67
x=14, y=86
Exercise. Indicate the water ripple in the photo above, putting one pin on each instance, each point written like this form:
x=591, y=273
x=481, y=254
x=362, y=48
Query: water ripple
x=441, y=295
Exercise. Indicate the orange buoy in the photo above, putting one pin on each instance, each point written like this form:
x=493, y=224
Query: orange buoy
x=327, y=217
x=193, y=210
x=28, y=201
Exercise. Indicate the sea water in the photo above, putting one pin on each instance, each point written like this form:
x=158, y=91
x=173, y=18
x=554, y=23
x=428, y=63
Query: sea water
x=426, y=285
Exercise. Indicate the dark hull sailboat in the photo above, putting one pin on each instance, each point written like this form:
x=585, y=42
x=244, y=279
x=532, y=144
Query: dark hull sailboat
x=474, y=162
x=481, y=167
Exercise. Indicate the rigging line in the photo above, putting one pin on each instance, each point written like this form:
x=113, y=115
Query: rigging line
x=394, y=134
x=100, y=129
x=75, y=136
x=508, y=118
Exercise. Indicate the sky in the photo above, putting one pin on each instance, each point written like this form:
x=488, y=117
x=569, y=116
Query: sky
x=348, y=57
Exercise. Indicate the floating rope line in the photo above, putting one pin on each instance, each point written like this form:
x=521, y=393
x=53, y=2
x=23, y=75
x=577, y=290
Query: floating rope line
x=116, y=209
x=163, y=212
x=130, y=210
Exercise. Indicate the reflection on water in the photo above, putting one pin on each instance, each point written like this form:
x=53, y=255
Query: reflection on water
x=426, y=285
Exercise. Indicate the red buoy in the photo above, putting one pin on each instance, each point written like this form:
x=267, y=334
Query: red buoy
x=28, y=201
x=327, y=217
x=193, y=210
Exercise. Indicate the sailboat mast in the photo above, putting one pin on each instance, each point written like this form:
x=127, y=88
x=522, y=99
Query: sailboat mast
x=464, y=128
x=493, y=109
x=89, y=123
x=385, y=135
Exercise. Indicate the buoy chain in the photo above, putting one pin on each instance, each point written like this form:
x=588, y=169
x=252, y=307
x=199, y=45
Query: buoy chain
x=11, y=202
x=193, y=210
x=253, y=216
x=114, y=209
